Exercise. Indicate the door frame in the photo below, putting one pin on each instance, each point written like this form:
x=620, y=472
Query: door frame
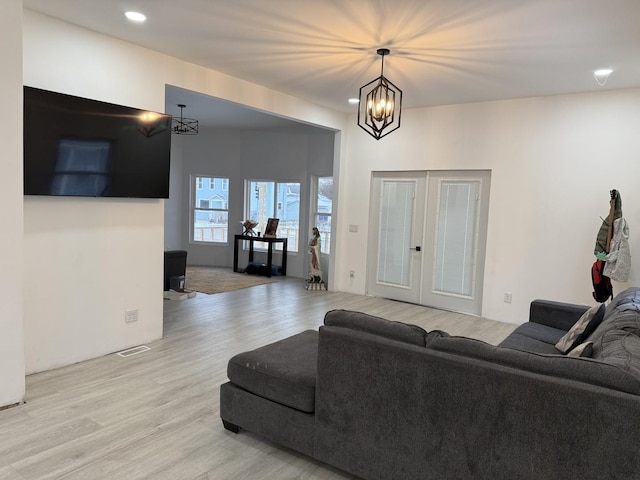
x=421, y=239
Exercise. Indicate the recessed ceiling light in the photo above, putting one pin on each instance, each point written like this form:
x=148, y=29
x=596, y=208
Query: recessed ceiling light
x=135, y=16
x=354, y=100
x=602, y=75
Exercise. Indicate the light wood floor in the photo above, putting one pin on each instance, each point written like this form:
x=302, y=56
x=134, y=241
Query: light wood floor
x=155, y=415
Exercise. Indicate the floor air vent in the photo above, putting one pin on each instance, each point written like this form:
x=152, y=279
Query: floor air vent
x=133, y=351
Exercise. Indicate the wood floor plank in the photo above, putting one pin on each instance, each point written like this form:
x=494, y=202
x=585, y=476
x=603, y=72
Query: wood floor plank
x=32, y=441
x=8, y=473
x=155, y=415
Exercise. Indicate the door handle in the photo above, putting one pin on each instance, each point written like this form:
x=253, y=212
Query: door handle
x=416, y=248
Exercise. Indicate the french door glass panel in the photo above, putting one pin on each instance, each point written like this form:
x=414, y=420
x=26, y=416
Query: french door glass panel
x=396, y=215
x=456, y=237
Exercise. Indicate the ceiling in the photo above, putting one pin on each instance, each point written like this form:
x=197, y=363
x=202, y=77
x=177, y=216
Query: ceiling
x=323, y=51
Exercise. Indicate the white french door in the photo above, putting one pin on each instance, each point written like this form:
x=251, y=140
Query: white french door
x=397, y=218
x=430, y=232
x=455, y=242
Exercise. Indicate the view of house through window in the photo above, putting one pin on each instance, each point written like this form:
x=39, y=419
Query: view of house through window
x=210, y=209
x=322, y=203
x=268, y=199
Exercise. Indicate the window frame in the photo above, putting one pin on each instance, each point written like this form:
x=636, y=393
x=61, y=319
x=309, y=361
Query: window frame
x=251, y=189
x=196, y=186
x=325, y=244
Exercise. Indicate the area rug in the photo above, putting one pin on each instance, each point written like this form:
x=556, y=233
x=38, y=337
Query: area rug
x=212, y=280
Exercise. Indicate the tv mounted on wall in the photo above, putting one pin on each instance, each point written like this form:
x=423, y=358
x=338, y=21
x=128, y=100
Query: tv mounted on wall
x=75, y=146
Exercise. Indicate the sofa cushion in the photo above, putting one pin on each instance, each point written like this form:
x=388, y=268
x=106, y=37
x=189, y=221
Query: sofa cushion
x=436, y=334
x=534, y=337
x=284, y=372
x=540, y=332
x=585, y=370
x=402, y=332
x=581, y=329
x=525, y=343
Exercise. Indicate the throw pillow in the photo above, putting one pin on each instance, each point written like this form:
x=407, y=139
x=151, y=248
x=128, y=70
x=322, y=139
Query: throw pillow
x=581, y=329
x=583, y=350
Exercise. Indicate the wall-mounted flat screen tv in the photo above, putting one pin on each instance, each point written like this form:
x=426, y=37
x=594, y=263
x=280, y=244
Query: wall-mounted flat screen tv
x=75, y=146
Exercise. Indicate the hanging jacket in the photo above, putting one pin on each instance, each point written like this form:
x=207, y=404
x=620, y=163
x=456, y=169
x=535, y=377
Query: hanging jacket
x=601, y=239
x=618, y=260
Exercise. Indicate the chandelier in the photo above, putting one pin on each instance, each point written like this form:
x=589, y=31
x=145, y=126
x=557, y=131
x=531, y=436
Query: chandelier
x=184, y=126
x=380, y=104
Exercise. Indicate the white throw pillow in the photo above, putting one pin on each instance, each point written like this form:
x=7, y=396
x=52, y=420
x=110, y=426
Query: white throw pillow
x=581, y=329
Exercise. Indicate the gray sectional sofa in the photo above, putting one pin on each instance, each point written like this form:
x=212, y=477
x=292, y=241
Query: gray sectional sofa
x=387, y=400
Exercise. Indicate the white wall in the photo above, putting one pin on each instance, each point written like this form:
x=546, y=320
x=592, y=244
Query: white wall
x=173, y=205
x=553, y=161
x=12, y=368
x=278, y=154
x=89, y=260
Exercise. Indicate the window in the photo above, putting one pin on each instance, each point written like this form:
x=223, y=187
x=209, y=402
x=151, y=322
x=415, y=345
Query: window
x=210, y=210
x=322, y=204
x=268, y=199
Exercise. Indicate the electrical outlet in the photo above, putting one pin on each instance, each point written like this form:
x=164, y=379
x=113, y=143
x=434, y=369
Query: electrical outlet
x=352, y=274
x=507, y=297
x=131, y=315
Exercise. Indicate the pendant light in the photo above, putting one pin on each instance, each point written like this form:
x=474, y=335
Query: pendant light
x=380, y=104
x=184, y=126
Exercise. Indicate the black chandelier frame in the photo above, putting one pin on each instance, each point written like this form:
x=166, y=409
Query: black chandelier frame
x=183, y=125
x=380, y=104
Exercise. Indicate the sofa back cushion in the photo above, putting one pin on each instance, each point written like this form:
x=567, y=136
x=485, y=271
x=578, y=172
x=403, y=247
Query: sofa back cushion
x=558, y=315
x=402, y=332
x=584, y=370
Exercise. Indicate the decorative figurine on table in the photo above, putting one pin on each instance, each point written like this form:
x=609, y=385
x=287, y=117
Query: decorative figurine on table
x=248, y=226
x=315, y=281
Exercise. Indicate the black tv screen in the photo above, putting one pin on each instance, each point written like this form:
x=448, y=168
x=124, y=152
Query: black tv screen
x=75, y=146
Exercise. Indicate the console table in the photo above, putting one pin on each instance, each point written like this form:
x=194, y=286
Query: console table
x=269, y=241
